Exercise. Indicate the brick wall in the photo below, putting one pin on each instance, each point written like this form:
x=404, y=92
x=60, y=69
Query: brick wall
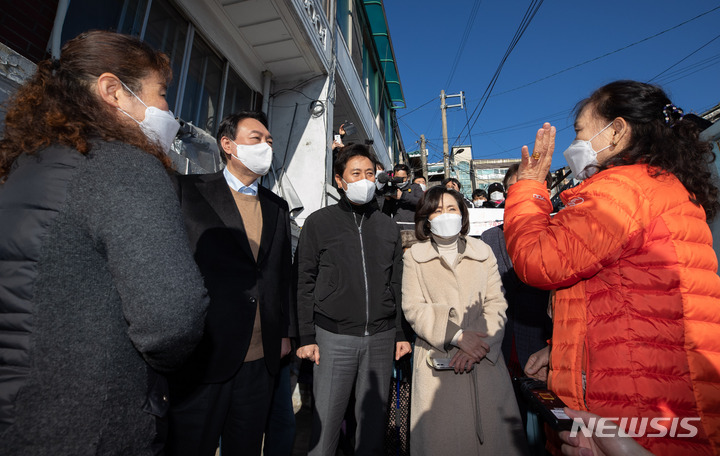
x=25, y=27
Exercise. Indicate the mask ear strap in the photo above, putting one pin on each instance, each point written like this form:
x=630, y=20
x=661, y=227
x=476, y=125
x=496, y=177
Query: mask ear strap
x=606, y=127
x=133, y=93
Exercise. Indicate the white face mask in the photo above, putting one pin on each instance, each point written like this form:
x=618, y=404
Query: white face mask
x=403, y=185
x=360, y=192
x=581, y=155
x=478, y=203
x=257, y=157
x=446, y=225
x=497, y=196
x=159, y=126
x=423, y=187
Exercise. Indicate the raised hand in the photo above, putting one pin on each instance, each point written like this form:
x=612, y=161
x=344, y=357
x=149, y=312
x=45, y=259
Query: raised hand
x=537, y=165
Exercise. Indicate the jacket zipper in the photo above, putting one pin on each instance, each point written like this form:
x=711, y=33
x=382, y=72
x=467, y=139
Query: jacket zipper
x=367, y=291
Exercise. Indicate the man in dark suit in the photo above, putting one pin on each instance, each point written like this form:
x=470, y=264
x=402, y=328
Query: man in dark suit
x=240, y=236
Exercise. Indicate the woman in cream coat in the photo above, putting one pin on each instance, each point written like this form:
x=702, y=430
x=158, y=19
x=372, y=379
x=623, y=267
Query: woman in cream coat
x=453, y=301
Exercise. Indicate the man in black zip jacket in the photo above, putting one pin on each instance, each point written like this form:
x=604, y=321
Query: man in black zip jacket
x=349, y=306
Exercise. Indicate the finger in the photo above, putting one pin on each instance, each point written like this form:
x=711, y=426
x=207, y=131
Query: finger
x=569, y=450
x=531, y=369
x=317, y=356
x=454, y=359
x=525, y=154
x=567, y=438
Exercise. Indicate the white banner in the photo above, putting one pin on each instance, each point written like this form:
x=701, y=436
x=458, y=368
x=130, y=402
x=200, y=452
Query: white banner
x=482, y=219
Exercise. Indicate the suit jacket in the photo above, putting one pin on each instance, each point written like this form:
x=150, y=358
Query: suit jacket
x=234, y=280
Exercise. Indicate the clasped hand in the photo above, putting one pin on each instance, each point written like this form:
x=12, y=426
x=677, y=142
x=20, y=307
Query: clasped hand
x=472, y=349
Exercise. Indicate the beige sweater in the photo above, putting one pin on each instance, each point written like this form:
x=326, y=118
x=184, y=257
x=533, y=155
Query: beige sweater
x=251, y=214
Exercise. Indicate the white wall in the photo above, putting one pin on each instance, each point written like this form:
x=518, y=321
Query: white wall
x=303, y=143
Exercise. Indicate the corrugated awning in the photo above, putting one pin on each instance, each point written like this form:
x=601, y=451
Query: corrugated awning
x=383, y=45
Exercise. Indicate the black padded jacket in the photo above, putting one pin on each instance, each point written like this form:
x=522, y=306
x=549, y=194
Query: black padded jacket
x=349, y=273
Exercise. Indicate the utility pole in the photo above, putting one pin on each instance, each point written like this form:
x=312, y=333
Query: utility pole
x=446, y=155
x=423, y=157
x=443, y=108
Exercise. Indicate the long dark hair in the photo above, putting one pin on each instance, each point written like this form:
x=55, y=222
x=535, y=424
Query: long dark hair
x=427, y=205
x=660, y=137
x=58, y=105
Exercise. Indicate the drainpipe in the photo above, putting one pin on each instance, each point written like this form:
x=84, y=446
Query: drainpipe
x=267, y=76
x=56, y=35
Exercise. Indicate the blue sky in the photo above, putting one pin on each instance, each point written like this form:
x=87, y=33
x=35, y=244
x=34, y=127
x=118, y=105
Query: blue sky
x=426, y=36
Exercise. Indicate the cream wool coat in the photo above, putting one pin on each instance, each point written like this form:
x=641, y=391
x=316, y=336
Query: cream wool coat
x=458, y=414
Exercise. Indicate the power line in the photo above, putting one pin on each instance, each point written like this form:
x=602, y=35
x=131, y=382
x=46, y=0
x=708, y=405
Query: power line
x=421, y=106
x=530, y=144
x=527, y=18
x=409, y=127
x=665, y=82
x=463, y=40
x=606, y=54
x=683, y=59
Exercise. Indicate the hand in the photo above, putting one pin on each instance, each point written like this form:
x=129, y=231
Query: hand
x=598, y=446
x=537, y=364
x=285, y=347
x=536, y=167
x=402, y=349
x=337, y=144
x=398, y=195
x=472, y=343
x=463, y=362
x=311, y=352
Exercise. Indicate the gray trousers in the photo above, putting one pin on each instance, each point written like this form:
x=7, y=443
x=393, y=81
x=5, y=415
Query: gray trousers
x=347, y=361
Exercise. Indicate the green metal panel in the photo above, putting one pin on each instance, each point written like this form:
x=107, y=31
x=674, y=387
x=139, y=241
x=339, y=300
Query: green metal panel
x=383, y=46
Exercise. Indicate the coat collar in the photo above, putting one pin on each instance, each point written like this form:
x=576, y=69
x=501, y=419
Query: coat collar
x=217, y=193
x=472, y=249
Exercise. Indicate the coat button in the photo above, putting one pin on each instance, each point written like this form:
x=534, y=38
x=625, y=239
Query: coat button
x=253, y=300
x=165, y=398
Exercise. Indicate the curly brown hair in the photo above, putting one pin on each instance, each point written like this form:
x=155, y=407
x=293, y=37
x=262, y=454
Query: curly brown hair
x=669, y=145
x=58, y=104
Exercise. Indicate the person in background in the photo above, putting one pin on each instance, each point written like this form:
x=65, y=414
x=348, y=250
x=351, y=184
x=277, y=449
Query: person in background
x=420, y=180
x=635, y=312
x=349, y=307
x=98, y=290
x=453, y=301
x=479, y=196
x=240, y=235
x=528, y=325
x=496, y=195
x=453, y=184
x=402, y=204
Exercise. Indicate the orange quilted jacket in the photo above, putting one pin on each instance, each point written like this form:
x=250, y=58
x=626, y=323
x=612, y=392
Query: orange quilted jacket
x=637, y=307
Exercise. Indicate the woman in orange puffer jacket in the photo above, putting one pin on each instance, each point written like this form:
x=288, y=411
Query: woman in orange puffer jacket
x=637, y=308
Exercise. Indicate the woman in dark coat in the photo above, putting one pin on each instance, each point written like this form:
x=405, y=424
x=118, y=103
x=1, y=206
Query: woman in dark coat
x=98, y=288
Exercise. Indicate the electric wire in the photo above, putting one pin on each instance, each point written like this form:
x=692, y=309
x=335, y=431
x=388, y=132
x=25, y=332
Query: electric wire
x=606, y=54
x=419, y=107
x=683, y=59
x=463, y=40
x=526, y=20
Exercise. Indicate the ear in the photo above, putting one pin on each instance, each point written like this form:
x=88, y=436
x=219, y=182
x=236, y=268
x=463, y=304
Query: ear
x=227, y=145
x=110, y=89
x=621, y=130
x=339, y=182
